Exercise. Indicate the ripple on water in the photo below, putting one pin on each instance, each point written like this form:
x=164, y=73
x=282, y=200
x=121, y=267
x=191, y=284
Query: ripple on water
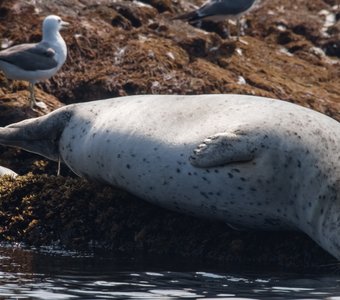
x=58, y=275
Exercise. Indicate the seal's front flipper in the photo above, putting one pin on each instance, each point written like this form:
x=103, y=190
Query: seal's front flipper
x=224, y=148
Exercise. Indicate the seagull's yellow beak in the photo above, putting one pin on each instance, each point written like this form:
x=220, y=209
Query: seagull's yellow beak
x=64, y=24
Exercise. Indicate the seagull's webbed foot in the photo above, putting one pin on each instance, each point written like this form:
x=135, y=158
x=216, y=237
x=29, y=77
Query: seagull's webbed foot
x=41, y=105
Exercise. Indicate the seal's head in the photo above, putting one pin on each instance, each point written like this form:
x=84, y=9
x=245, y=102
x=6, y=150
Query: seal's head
x=38, y=135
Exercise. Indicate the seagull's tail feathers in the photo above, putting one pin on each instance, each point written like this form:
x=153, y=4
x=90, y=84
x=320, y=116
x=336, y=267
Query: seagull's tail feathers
x=192, y=16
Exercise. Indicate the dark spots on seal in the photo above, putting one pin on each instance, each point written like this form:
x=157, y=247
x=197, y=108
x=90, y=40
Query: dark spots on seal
x=253, y=150
x=108, y=141
x=176, y=205
x=236, y=170
x=178, y=170
x=253, y=189
x=243, y=179
x=272, y=222
x=118, y=155
x=128, y=166
x=195, y=187
x=213, y=207
x=68, y=146
x=73, y=137
x=230, y=175
x=189, y=173
x=94, y=134
x=216, y=171
x=155, y=149
x=321, y=211
x=204, y=195
x=240, y=188
x=299, y=164
x=298, y=136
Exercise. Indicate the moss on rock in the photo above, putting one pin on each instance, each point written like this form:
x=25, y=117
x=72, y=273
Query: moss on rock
x=43, y=210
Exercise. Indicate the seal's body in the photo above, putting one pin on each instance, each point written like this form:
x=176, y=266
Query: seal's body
x=249, y=161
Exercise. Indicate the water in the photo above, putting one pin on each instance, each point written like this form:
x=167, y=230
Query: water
x=27, y=274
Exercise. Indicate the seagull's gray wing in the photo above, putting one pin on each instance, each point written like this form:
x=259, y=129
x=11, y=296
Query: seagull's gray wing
x=223, y=7
x=30, y=57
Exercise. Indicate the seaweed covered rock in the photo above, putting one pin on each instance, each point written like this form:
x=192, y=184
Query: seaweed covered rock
x=43, y=210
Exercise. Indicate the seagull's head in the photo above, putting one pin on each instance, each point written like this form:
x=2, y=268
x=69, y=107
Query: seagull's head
x=53, y=23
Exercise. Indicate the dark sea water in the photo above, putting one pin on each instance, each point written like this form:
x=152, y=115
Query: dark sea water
x=52, y=274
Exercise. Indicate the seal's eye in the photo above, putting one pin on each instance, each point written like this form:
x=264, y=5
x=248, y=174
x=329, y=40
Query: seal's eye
x=59, y=20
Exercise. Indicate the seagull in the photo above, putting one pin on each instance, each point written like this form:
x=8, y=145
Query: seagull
x=219, y=10
x=39, y=61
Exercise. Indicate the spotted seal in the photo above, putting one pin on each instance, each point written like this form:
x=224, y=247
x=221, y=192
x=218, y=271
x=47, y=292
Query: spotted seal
x=249, y=161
